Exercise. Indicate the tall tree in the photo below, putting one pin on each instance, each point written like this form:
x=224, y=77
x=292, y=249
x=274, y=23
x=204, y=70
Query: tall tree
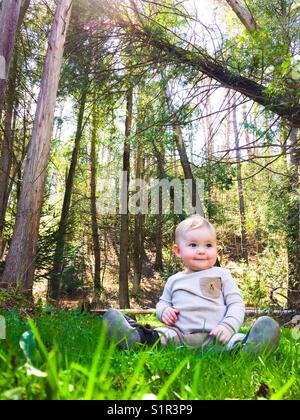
x=250, y=150
x=54, y=285
x=6, y=145
x=124, y=233
x=159, y=154
x=243, y=14
x=93, y=181
x=9, y=17
x=181, y=148
x=138, y=235
x=244, y=248
x=293, y=224
x=20, y=262
x=7, y=153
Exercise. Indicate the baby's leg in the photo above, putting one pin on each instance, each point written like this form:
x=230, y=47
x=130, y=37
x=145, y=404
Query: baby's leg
x=169, y=335
x=126, y=332
x=263, y=336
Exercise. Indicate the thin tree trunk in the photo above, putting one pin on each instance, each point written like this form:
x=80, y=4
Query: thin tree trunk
x=95, y=233
x=20, y=262
x=124, y=234
x=247, y=136
x=208, y=122
x=7, y=151
x=243, y=14
x=158, y=265
x=24, y=7
x=228, y=128
x=138, y=235
x=244, y=249
x=187, y=170
x=9, y=17
x=54, y=285
x=250, y=23
x=209, y=149
x=293, y=228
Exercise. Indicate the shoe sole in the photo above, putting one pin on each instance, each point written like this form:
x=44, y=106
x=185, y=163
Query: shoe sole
x=264, y=336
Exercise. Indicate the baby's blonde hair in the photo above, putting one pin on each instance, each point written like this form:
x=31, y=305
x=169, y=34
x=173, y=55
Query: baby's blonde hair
x=191, y=223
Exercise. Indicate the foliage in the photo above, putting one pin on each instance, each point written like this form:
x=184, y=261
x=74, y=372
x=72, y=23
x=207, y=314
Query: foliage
x=66, y=356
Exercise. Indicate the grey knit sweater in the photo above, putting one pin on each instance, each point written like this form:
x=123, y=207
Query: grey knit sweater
x=205, y=299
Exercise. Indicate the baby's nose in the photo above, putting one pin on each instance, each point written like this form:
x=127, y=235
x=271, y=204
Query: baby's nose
x=201, y=249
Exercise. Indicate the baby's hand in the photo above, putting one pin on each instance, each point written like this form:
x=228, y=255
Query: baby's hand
x=221, y=333
x=169, y=315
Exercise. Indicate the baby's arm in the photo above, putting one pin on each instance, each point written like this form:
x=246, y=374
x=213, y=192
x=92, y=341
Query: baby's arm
x=164, y=310
x=169, y=316
x=221, y=333
x=233, y=299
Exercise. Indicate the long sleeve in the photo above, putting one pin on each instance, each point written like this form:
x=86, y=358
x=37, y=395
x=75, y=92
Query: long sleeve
x=235, y=312
x=165, y=300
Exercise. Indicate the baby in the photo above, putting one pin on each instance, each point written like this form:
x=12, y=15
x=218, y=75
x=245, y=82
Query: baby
x=200, y=306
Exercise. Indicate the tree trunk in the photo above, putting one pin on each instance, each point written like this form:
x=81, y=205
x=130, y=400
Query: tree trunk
x=187, y=170
x=138, y=236
x=57, y=270
x=158, y=265
x=247, y=136
x=9, y=17
x=208, y=126
x=7, y=151
x=124, y=234
x=95, y=233
x=20, y=262
x=228, y=129
x=244, y=250
x=243, y=14
x=6, y=146
x=209, y=148
x=293, y=228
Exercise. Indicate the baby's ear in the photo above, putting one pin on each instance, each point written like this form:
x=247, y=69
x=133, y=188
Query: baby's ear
x=176, y=250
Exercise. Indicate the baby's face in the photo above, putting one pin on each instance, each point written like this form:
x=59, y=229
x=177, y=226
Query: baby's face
x=198, y=249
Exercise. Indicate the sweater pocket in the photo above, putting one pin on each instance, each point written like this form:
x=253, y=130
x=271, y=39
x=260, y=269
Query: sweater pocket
x=210, y=287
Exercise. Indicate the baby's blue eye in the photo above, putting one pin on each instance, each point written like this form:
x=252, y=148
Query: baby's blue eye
x=209, y=245
x=193, y=245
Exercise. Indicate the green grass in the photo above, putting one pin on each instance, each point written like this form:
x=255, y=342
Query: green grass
x=70, y=358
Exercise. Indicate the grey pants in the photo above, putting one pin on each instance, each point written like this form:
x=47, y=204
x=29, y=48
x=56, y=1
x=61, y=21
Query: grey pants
x=195, y=340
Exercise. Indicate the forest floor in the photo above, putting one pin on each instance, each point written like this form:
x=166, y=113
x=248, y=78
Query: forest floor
x=151, y=288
